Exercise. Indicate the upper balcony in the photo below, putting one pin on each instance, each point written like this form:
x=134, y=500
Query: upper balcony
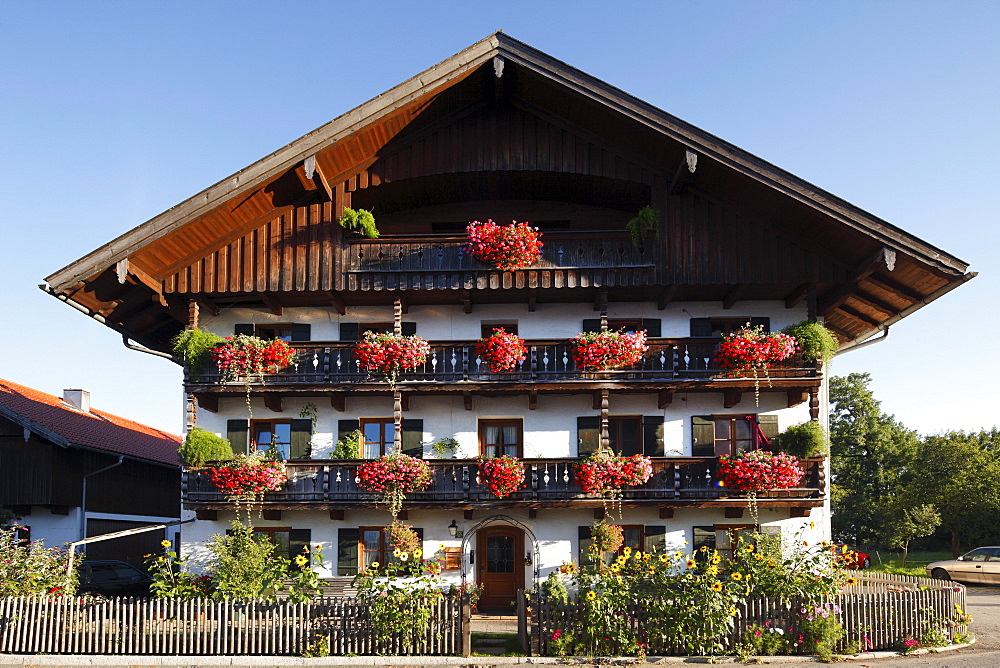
x=439, y=262
x=686, y=360
x=676, y=482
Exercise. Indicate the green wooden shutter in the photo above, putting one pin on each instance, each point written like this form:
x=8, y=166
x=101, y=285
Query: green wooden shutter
x=768, y=425
x=413, y=438
x=652, y=436
x=349, y=331
x=588, y=435
x=347, y=551
x=238, y=433
x=301, y=331
x=244, y=328
x=763, y=322
x=591, y=325
x=584, y=540
x=652, y=326
x=655, y=539
x=301, y=437
x=408, y=328
x=298, y=543
x=702, y=436
x=701, y=327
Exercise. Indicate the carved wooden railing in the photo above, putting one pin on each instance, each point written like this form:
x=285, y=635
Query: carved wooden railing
x=577, y=250
x=455, y=481
x=333, y=362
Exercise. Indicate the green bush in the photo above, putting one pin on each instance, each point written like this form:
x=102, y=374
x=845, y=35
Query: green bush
x=360, y=220
x=191, y=346
x=349, y=447
x=817, y=342
x=202, y=446
x=244, y=564
x=646, y=221
x=808, y=439
x=31, y=569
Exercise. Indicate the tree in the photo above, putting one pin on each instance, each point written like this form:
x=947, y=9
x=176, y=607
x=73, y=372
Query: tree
x=872, y=454
x=915, y=522
x=959, y=473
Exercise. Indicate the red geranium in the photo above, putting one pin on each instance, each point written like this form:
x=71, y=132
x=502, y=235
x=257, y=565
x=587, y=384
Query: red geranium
x=394, y=475
x=604, y=473
x=248, y=477
x=390, y=353
x=506, y=247
x=249, y=357
x=752, y=348
x=600, y=351
x=502, y=351
x=502, y=475
x=760, y=471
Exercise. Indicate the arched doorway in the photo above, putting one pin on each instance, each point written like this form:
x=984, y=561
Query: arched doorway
x=499, y=566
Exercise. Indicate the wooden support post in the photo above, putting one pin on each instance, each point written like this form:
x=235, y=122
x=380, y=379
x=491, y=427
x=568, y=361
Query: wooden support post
x=813, y=404
x=467, y=400
x=192, y=322
x=532, y=299
x=397, y=418
x=466, y=627
x=532, y=400
x=190, y=412
x=337, y=514
x=397, y=317
x=532, y=513
x=605, y=430
x=210, y=402
x=734, y=513
x=796, y=397
x=468, y=514
x=666, y=513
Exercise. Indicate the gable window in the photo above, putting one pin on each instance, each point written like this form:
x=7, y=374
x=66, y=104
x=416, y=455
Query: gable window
x=501, y=437
x=718, y=435
x=378, y=436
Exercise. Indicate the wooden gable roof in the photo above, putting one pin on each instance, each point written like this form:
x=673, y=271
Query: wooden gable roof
x=500, y=108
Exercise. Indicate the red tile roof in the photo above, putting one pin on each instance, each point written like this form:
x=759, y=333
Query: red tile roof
x=95, y=429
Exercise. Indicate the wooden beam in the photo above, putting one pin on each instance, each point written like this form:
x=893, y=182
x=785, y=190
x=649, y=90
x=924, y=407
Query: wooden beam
x=798, y=294
x=467, y=400
x=684, y=173
x=210, y=402
x=666, y=296
x=318, y=177
x=273, y=402
x=272, y=303
x=598, y=513
x=468, y=514
x=733, y=513
x=404, y=514
x=532, y=513
x=733, y=295
x=796, y=397
x=601, y=300
x=813, y=404
x=799, y=512
x=858, y=315
x=596, y=402
x=666, y=513
x=895, y=287
x=339, y=402
x=664, y=398
x=466, y=298
x=336, y=301
x=207, y=304
x=874, y=302
x=532, y=400
x=732, y=396
x=337, y=514
x=834, y=297
x=404, y=401
x=271, y=514
x=204, y=514
x=404, y=303
x=532, y=299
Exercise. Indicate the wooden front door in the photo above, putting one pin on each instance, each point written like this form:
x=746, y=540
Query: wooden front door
x=500, y=566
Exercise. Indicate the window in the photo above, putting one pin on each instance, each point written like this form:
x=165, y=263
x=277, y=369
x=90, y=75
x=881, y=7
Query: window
x=486, y=328
x=273, y=432
x=625, y=434
x=718, y=327
x=353, y=331
x=500, y=437
x=718, y=435
x=280, y=536
x=378, y=436
x=634, y=538
x=703, y=536
x=286, y=331
x=283, y=331
x=373, y=546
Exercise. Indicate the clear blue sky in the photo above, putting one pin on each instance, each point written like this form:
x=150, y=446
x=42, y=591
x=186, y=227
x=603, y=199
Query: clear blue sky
x=111, y=112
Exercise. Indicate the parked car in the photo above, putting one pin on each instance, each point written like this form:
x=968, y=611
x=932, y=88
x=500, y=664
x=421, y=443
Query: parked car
x=845, y=557
x=981, y=565
x=113, y=578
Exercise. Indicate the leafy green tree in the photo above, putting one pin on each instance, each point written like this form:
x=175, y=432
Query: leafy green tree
x=32, y=569
x=872, y=454
x=959, y=473
x=915, y=522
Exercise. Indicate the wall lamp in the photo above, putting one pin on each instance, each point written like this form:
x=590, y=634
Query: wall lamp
x=455, y=531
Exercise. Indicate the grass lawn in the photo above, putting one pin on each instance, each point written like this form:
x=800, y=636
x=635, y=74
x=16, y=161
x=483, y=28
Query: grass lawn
x=891, y=562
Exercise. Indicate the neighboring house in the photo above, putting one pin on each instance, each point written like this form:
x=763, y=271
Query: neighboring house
x=50, y=445
x=506, y=132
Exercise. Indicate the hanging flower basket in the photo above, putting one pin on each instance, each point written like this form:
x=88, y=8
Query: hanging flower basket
x=502, y=351
x=601, y=351
x=403, y=540
x=759, y=471
x=248, y=477
x=390, y=354
x=501, y=475
x=250, y=357
x=506, y=247
x=606, y=474
x=754, y=350
x=392, y=476
x=607, y=537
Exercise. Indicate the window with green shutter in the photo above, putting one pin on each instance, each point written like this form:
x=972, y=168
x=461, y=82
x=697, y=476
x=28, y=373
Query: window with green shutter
x=238, y=433
x=719, y=435
x=347, y=551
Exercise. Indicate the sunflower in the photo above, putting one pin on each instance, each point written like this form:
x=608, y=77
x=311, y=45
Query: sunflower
x=703, y=548
x=712, y=570
x=567, y=569
x=646, y=556
x=651, y=571
x=737, y=575
x=716, y=586
x=851, y=581
x=165, y=543
x=627, y=551
x=716, y=558
x=591, y=596
x=301, y=560
x=615, y=567
x=375, y=564
x=771, y=563
x=690, y=563
x=757, y=557
x=664, y=558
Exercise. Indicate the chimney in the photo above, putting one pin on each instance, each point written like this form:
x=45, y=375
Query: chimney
x=78, y=399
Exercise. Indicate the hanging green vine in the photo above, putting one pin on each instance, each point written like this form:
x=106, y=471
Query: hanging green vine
x=361, y=221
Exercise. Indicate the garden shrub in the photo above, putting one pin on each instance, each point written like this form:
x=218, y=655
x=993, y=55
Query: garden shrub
x=348, y=447
x=31, y=569
x=201, y=446
x=816, y=341
x=192, y=346
x=808, y=439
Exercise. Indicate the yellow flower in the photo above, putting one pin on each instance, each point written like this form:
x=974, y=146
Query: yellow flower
x=732, y=611
x=627, y=551
x=690, y=563
x=403, y=556
x=568, y=569
x=165, y=543
x=591, y=596
x=146, y=556
x=615, y=567
x=301, y=560
x=812, y=525
x=757, y=557
x=664, y=558
x=417, y=553
x=621, y=560
x=374, y=564
x=737, y=576
x=713, y=570
x=678, y=554
x=716, y=558
x=646, y=556
x=750, y=547
x=652, y=570
x=851, y=581
x=770, y=563
x=396, y=553
x=716, y=586
x=703, y=548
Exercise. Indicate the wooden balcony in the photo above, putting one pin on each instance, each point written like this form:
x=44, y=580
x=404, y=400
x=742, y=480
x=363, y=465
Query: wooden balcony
x=441, y=262
x=676, y=482
x=456, y=362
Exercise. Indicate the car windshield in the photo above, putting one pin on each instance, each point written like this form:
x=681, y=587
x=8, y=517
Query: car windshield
x=979, y=554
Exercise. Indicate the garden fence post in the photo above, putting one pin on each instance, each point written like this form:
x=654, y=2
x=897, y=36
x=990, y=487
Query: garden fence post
x=466, y=627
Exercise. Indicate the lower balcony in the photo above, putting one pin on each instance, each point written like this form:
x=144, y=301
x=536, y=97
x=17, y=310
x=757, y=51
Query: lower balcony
x=676, y=483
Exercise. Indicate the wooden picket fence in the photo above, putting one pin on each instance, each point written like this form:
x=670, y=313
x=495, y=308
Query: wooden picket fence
x=75, y=625
x=877, y=614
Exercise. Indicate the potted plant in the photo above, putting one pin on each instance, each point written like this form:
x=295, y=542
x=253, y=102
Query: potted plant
x=645, y=223
x=193, y=346
x=501, y=475
x=392, y=476
x=403, y=540
x=361, y=221
x=752, y=349
x=248, y=477
x=506, y=247
x=758, y=471
x=817, y=343
x=607, y=537
x=605, y=350
x=389, y=354
x=808, y=439
x=248, y=358
x=501, y=351
x=201, y=446
x=606, y=474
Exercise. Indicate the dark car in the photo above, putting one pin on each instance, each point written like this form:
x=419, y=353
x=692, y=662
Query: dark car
x=113, y=578
x=845, y=557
